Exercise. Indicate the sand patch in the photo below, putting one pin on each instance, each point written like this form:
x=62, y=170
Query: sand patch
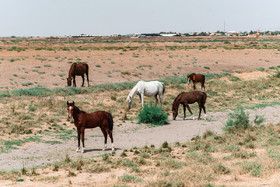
x=251, y=75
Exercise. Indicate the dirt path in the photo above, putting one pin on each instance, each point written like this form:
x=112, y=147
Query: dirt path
x=126, y=135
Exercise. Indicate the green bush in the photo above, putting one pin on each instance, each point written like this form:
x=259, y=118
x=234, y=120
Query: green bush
x=153, y=115
x=239, y=120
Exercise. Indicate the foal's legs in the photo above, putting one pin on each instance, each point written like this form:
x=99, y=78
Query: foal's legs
x=105, y=136
x=194, y=86
x=83, y=77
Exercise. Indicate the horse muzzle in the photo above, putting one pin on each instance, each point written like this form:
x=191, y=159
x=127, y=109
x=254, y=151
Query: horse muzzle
x=69, y=116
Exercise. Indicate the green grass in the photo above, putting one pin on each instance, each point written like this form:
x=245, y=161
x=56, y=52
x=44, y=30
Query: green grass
x=14, y=144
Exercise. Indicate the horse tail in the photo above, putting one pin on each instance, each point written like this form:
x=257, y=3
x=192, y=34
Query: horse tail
x=87, y=68
x=111, y=122
x=204, y=98
x=163, y=89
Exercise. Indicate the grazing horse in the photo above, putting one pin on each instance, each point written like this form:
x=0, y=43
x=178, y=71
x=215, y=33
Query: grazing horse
x=186, y=98
x=142, y=88
x=196, y=78
x=83, y=120
x=78, y=69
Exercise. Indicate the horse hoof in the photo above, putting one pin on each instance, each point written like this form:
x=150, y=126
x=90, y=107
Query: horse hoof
x=113, y=149
x=77, y=150
x=83, y=150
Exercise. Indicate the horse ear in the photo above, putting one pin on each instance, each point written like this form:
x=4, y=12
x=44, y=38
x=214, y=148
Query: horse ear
x=67, y=103
x=73, y=103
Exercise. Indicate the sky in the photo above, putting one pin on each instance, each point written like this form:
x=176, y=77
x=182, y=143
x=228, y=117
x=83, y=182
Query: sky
x=107, y=17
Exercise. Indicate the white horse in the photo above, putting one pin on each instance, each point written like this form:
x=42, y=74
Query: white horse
x=142, y=88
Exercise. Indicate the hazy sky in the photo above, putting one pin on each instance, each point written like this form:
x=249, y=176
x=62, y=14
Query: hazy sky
x=105, y=17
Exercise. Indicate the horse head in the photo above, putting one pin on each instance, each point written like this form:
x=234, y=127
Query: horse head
x=129, y=101
x=69, y=81
x=191, y=77
x=70, y=109
x=175, y=113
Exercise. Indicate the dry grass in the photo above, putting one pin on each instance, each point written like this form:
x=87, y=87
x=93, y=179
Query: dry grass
x=28, y=116
x=209, y=160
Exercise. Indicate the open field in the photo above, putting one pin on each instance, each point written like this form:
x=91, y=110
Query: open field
x=38, y=141
x=30, y=62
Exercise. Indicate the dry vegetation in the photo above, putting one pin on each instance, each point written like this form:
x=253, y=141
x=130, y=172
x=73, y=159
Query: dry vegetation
x=38, y=113
x=247, y=157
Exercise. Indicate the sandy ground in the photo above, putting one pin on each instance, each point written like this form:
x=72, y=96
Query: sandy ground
x=126, y=135
x=51, y=69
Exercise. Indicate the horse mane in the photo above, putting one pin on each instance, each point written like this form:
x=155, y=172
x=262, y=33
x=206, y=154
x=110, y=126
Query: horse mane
x=175, y=103
x=192, y=74
x=71, y=70
x=132, y=92
x=78, y=110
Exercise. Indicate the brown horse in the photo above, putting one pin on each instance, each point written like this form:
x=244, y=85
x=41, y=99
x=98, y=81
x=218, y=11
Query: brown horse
x=196, y=78
x=83, y=120
x=186, y=98
x=78, y=69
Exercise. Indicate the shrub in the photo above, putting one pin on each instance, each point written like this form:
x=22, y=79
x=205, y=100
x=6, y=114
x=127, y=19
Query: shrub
x=153, y=115
x=239, y=120
x=277, y=74
x=260, y=69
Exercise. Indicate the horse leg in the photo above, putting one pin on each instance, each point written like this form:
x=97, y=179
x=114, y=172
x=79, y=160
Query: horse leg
x=189, y=109
x=87, y=78
x=83, y=140
x=105, y=137
x=202, y=85
x=160, y=99
x=142, y=99
x=74, y=81
x=156, y=100
x=200, y=107
x=83, y=77
x=112, y=141
x=79, y=133
x=111, y=137
x=204, y=109
x=194, y=86
x=184, y=108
